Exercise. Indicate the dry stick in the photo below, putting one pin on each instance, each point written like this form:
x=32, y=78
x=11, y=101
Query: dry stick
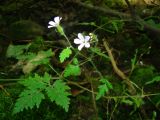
x=131, y=88
x=115, y=13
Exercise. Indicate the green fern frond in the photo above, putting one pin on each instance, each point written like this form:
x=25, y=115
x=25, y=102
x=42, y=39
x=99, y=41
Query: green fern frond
x=65, y=54
x=59, y=93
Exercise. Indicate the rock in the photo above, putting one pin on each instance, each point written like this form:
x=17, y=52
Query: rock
x=24, y=30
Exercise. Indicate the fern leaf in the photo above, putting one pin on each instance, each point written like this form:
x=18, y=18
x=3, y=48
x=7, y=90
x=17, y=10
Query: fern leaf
x=59, y=94
x=65, y=54
x=72, y=70
x=28, y=99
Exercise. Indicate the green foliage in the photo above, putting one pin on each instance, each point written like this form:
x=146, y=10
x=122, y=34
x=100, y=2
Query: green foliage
x=98, y=52
x=35, y=89
x=155, y=79
x=104, y=87
x=16, y=50
x=31, y=60
x=141, y=75
x=65, y=54
x=133, y=101
x=28, y=99
x=72, y=69
x=117, y=25
x=151, y=22
x=36, y=56
x=134, y=61
x=59, y=93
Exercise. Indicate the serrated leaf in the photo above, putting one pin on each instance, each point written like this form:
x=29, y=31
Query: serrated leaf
x=103, y=88
x=72, y=70
x=36, y=82
x=105, y=81
x=28, y=99
x=65, y=54
x=75, y=61
x=47, y=78
x=59, y=93
x=32, y=95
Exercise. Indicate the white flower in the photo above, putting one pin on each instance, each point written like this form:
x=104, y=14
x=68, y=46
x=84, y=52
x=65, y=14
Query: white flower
x=83, y=41
x=54, y=23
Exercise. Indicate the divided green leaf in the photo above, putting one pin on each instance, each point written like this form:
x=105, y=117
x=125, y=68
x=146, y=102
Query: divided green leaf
x=28, y=99
x=72, y=70
x=59, y=93
x=32, y=95
x=36, y=82
x=65, y=54
x=105, y=87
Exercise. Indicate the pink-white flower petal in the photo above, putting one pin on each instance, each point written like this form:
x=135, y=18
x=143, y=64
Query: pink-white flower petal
x=78, y=41
x=87, y=38
x=49, y=26
x=80, y=36
x=87, y=45
x=51, y=23
x=57, y=20
x=80, y=46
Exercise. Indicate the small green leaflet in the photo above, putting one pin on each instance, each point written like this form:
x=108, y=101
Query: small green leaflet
x=72, y=70
x=65, y=54
x=105, y=87
x=36, y=82
x=59, y=93
x=28, y=99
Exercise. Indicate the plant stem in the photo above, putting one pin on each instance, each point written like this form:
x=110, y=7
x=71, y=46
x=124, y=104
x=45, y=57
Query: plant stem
x=131, y=88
